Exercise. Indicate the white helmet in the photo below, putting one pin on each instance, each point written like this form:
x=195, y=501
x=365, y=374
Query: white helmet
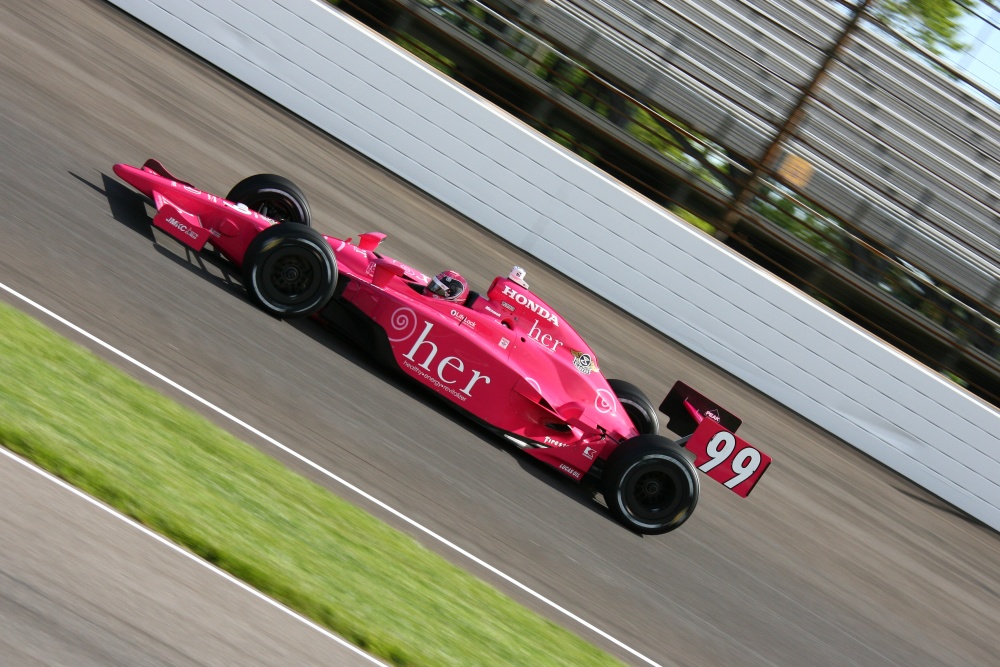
x=448, y=285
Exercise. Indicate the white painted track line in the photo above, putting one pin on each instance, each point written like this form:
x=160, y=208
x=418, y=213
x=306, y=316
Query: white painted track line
x=187, y=554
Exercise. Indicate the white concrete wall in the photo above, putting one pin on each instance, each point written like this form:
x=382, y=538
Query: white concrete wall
x=401, y=113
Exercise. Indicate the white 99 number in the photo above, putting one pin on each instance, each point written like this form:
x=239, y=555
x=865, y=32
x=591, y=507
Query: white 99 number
x=721, y=447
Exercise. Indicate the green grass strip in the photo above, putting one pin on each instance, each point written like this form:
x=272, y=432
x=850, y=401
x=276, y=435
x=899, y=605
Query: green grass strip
x=177, y=473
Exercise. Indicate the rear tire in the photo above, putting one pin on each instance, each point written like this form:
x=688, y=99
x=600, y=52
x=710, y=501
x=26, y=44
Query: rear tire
x=274, y=197
x=637, y=406
x=290, y=271
x=650, y=486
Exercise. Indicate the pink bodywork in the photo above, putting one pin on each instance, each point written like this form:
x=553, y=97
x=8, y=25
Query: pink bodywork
x=508, y=358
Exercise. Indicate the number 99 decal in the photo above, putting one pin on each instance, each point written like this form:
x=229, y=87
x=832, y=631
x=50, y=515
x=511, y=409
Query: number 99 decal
x=726, y=458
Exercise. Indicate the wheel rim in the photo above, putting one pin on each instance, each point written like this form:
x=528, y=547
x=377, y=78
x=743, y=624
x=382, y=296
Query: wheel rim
x=653, y=492
x=290, y=276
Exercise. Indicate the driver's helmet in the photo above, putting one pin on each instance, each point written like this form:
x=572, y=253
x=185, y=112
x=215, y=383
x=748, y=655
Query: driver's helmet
x=447, y=285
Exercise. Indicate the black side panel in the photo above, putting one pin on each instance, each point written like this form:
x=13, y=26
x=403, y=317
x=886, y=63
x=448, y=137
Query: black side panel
x=345, y=318
x=682, y=423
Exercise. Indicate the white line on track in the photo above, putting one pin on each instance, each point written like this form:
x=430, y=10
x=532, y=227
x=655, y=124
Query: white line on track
x=364, y=494
x=187, y=554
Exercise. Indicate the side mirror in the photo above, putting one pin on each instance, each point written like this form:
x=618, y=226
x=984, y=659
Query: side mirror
x=384, y=271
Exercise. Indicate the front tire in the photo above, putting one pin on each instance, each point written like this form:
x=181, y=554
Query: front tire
x=637, y=406
x=290, y=271
x=274, y=197
x=650, y=485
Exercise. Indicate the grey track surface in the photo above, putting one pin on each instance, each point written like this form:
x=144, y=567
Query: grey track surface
x=81, y=587
x=833, y=560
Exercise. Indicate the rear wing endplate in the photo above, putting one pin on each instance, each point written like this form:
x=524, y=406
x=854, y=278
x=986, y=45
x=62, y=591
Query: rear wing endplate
x=686, y=408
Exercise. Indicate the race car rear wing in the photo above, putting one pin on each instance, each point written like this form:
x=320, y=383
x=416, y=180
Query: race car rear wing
x=686, y=408
x=707, y=431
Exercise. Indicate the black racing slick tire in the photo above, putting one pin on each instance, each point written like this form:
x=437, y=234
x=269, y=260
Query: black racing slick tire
x=290, y=271
x=650, y=485
x=637, y=406
x=274, y=197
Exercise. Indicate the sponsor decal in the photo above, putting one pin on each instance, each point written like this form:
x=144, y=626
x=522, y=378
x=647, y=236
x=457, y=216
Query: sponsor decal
x=462, y=319
x=554, y=442
x=584, y=362
x=183, y=227
x=370, y=269
x=572, y=472
x=492, y=311
x=713, y=415
x=435, y=382
x=604, y=402
x=403, y=323
x=549, y=341
x=507, y=306
x=449, y=370
x=503, y=343
x=536, y=308
x=589, y=452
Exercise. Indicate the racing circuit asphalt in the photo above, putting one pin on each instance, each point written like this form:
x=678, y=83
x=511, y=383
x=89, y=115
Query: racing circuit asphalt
x=833, y=560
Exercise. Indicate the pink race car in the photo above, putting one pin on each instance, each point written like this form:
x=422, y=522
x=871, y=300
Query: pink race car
x=505, y=357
